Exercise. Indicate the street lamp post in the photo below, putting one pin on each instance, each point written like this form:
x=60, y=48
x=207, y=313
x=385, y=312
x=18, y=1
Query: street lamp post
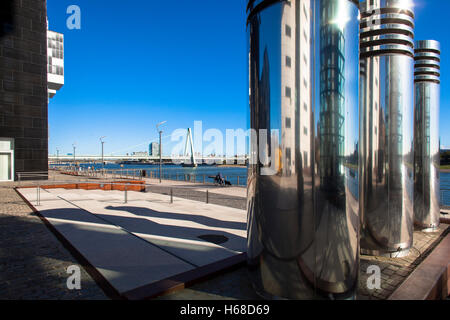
x=57, y=156
x=102, y=142
x=160, y=153
x=74, y=148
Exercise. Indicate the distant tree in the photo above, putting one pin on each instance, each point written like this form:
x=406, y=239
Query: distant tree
x=445, y=158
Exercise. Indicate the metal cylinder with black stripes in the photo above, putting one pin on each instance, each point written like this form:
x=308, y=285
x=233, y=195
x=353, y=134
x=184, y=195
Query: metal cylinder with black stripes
x=387, y=126
x=426, y=134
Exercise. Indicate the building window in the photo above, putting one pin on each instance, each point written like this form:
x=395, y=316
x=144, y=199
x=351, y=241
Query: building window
x=305, y=106
x=288, y=92
x=288, y=61
x=288, y=123
x=288, y=31
x=305, y=131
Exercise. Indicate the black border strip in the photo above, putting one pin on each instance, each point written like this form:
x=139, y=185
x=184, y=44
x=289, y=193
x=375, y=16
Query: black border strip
x=186, y=279
x=427, y=80
x=385, y=52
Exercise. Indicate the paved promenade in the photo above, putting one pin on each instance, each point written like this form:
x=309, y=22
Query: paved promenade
x=33, y=262
x=145, y=240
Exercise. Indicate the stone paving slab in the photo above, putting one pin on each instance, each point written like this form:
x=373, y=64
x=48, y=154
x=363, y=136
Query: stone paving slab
x=125, y=232
x=124, y=260
x=197, y=218
x=174, y=228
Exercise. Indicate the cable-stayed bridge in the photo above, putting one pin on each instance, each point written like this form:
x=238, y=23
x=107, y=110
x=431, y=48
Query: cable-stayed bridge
x=140, y=158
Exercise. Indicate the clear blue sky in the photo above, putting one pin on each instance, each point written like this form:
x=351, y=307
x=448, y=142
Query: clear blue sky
x=138, y=62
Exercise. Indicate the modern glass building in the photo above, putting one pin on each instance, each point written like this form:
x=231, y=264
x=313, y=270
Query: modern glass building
x=154, y=149
x=55, y=62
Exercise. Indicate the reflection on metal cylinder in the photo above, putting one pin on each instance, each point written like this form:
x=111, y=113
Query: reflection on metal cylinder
x=426, y=139
x=303, y=196
x=386, y=106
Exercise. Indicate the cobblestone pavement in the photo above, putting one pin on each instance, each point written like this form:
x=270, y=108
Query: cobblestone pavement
x=33, y=262
x=395, y=270
x=236, y=284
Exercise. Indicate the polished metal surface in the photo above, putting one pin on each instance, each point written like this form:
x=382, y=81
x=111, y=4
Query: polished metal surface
x=303, y=196
x=426, y=135
x=386, y=141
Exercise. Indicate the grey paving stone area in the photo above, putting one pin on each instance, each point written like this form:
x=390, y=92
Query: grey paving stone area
x=395, y=270
x=236, y=284
x=33, y=263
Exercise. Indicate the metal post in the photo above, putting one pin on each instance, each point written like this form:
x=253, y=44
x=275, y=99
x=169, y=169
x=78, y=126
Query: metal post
x=74, y=148
x=126, y=195
x=203, y=179
x=238, y=180
x=160, y=157
x=171, y=195
x=207, y=196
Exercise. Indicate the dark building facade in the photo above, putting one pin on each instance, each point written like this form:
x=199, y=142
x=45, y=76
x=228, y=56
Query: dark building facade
x=23, y=88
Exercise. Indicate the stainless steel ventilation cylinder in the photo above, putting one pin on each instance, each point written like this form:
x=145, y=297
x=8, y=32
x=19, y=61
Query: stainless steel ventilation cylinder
x=386, y=123
x=303, y=205
x=426, y=134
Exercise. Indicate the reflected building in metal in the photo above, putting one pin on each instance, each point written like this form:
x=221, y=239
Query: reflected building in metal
x=426, y=139
x=303, y=196
x=386, y=141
